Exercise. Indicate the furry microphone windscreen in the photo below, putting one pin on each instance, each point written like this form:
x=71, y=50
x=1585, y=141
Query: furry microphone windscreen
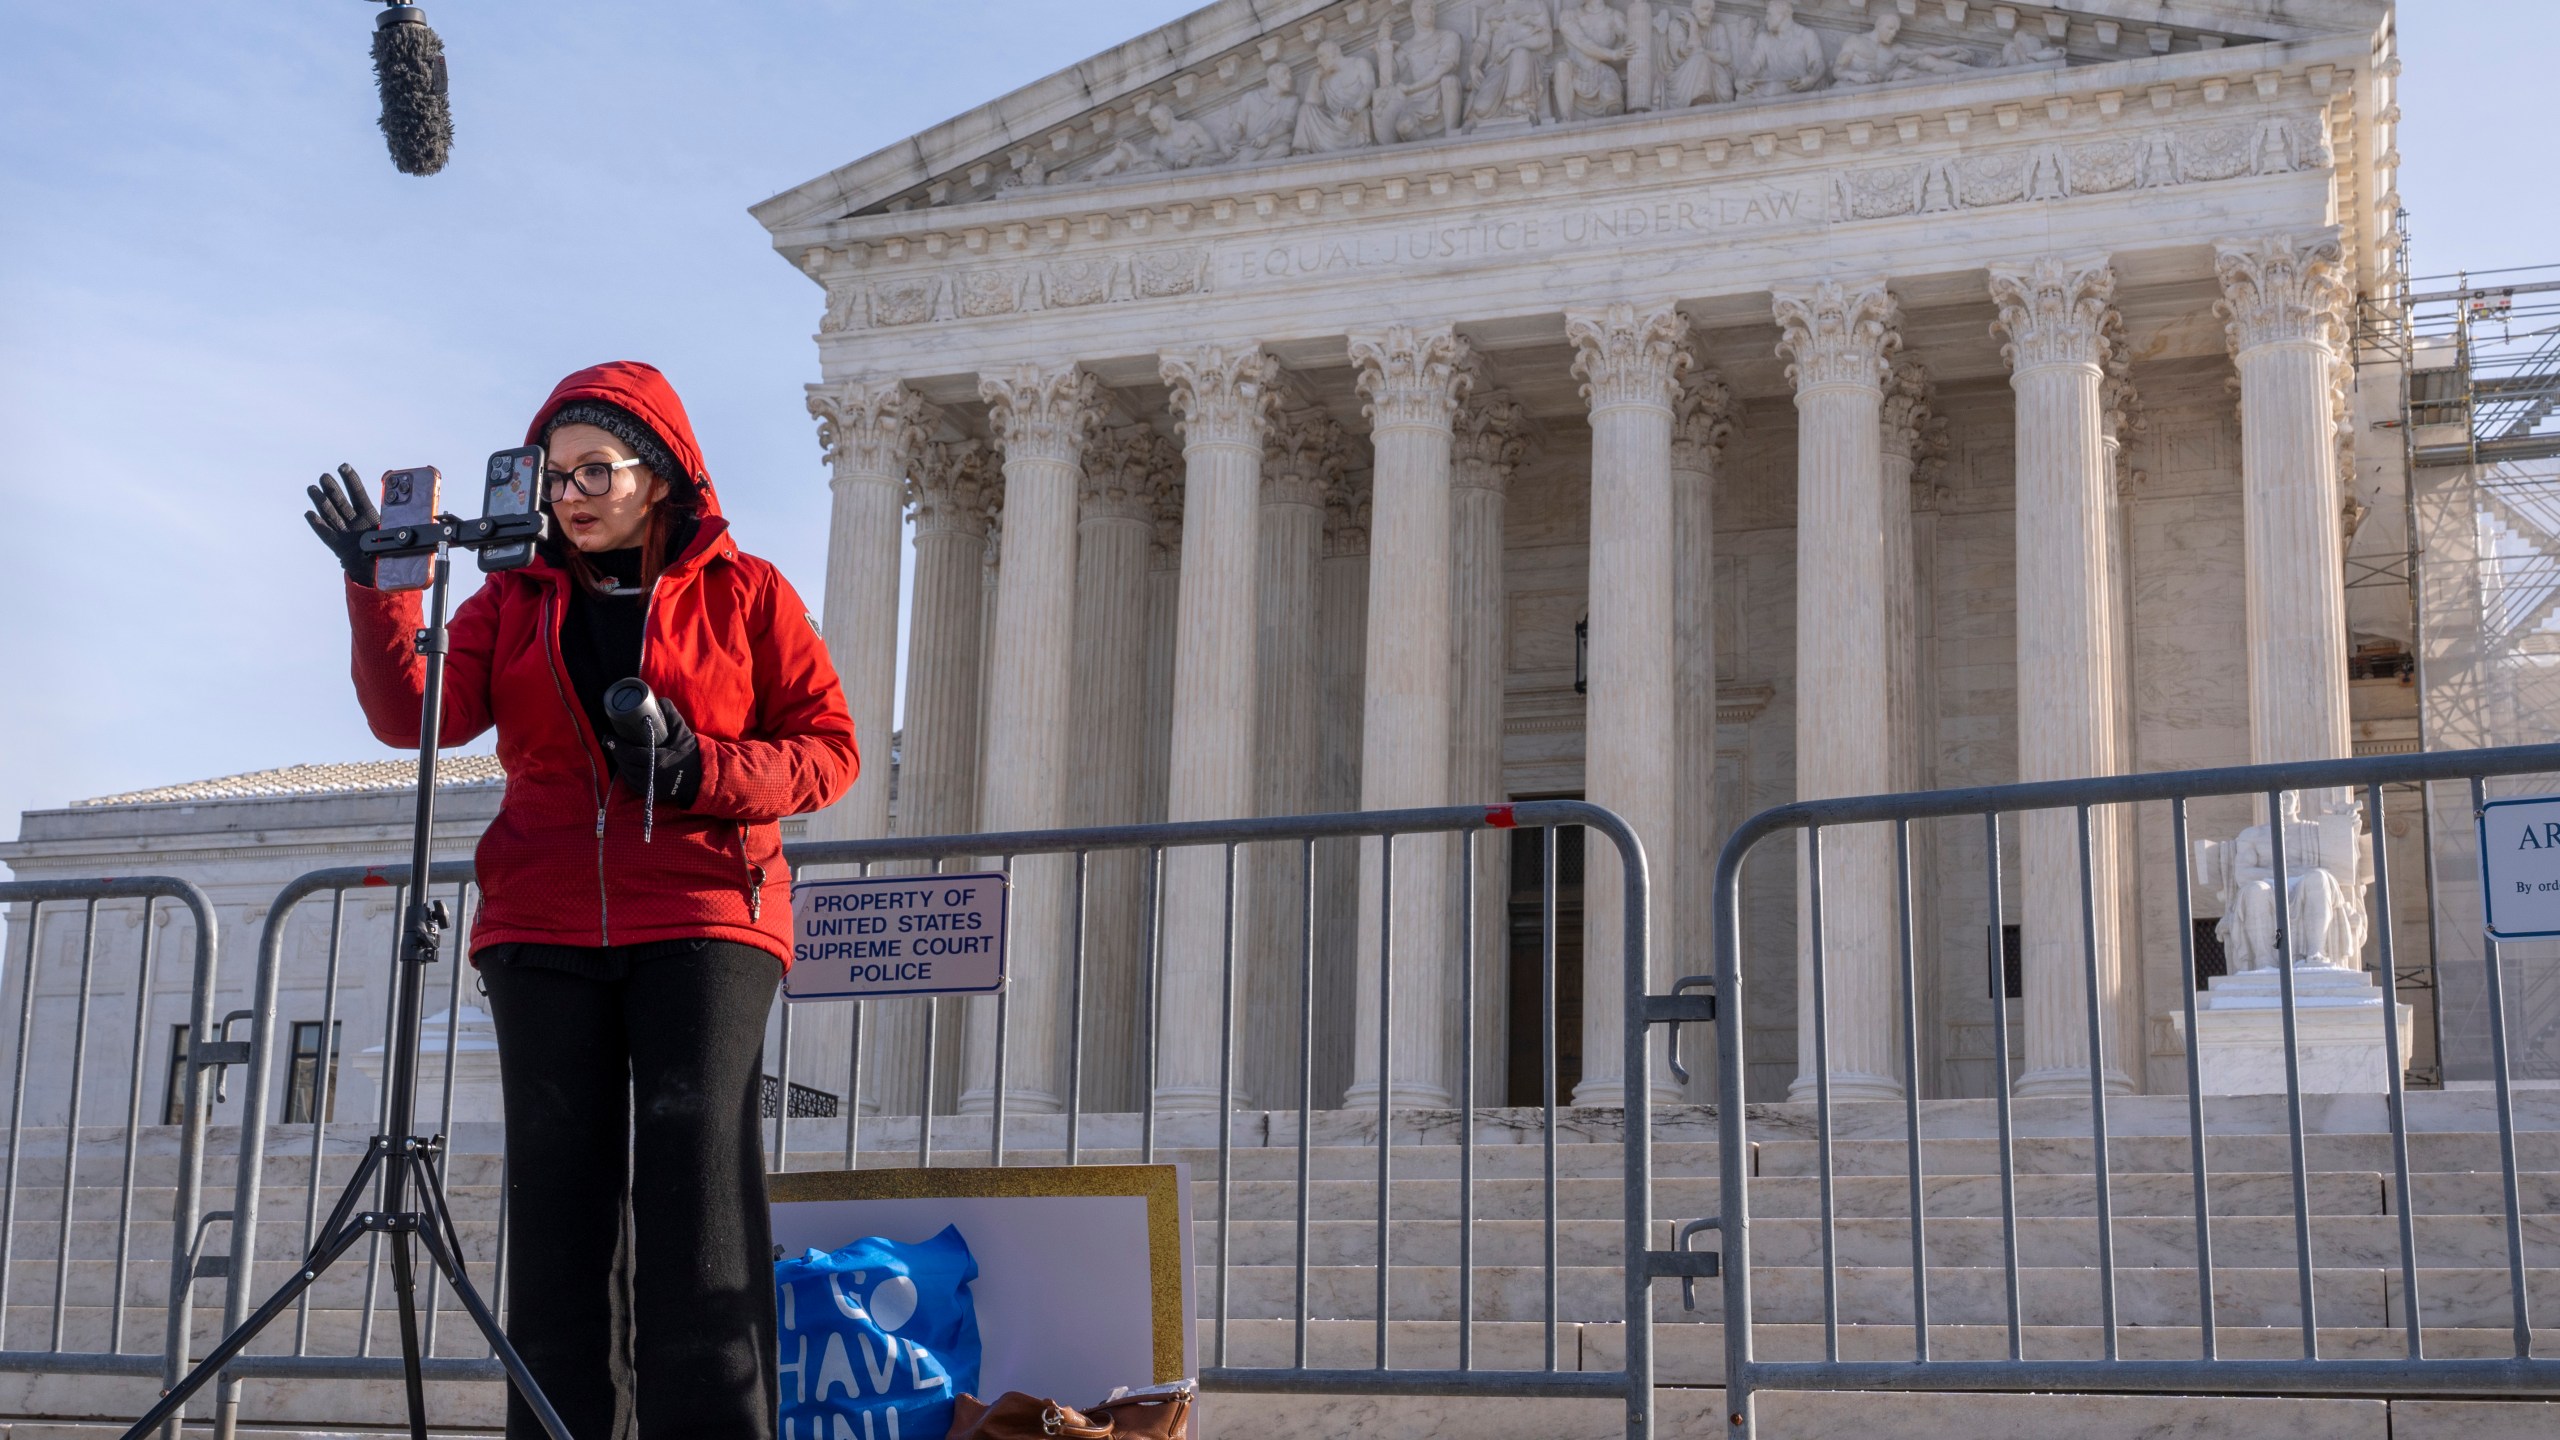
x=408, y=67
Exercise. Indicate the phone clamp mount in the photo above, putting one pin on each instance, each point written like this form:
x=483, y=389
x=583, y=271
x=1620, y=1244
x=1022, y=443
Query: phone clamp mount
x=407, y=1165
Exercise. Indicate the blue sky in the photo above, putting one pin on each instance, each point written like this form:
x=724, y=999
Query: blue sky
x=213, y=285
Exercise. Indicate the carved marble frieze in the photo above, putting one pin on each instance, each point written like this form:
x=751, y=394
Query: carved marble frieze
x=2102, y=165
x=1669, y=211
x=1369, y=74
x=977, y=292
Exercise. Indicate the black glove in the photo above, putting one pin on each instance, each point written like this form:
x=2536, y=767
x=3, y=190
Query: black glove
x=679, y=763
x=341, y=518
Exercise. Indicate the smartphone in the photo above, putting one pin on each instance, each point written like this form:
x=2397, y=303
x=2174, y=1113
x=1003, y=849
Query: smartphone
x=515, y=488
x=409, y=497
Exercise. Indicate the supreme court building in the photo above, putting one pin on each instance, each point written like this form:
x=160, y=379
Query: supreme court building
x=1315, y=406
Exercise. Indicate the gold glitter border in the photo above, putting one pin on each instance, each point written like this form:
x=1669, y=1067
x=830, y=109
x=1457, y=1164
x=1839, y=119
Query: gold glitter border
x=1159, y=1185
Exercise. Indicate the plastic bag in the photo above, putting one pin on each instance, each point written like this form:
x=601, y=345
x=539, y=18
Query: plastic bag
x=878, y=1338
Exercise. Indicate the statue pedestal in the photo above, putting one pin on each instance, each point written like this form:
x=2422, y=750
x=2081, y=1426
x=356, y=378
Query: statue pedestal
x=2337, y=1029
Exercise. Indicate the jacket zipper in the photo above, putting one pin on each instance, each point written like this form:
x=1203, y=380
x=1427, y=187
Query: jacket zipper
x=595, y=776
x=755, y=872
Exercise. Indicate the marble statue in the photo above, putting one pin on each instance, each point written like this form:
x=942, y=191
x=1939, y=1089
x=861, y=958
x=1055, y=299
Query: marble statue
x=1334, y=114
x=2328, y=864
x=1513, y=40
x=1031, y=174
x=1785, y=59
x=2028, y=47
x=1588, y=85
x=1172, y=143
x=1418, y=86
x=1266, y=120
x=1875, y=57
x=1644, y=66
x=1697, y=52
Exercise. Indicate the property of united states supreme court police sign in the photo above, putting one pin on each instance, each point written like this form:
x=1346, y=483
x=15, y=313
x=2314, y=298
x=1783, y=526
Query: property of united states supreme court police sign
x=897, y=935
x=2520, y=866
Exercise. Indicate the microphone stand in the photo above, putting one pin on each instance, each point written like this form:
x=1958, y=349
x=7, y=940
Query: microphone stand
x=409, y=1165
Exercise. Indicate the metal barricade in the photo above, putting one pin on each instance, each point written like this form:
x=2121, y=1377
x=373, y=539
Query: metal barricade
x=2208, y=1372
x=990, y=1129
x=89, y=1325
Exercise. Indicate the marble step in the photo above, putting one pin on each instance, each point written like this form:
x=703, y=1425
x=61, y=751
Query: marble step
x=1592, y=1199
x=2065, y=1155
x=1882, y=1296
x=1680, y=1414
x=2238, y=1240
x=1692, y=1352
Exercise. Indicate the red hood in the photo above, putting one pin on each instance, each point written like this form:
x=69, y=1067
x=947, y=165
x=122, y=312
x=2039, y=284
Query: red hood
x=644, y=392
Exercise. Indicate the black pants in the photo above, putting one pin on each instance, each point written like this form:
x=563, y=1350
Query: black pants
x=640, y=1259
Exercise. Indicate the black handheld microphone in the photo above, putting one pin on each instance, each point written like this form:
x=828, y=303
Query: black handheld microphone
x=408, y=68
x=633, y=708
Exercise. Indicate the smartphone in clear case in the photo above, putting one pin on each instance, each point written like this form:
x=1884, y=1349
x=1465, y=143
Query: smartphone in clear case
x=409, y=497
x=514, y=488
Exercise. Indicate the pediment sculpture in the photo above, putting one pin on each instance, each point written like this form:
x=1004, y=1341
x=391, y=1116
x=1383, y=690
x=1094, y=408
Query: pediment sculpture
x=2328, y=866
x=1434, y=70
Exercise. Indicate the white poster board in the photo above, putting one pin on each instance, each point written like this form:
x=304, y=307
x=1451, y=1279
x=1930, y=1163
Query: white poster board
x=2520, y=866
x=1083, y=1271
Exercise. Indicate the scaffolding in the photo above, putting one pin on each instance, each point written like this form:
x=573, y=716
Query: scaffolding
x=2478, y=359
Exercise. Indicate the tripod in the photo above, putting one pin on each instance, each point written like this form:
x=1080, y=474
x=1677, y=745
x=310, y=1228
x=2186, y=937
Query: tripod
x=404, y=1162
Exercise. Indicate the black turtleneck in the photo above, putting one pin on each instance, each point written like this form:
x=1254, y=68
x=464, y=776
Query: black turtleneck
x=600, y=636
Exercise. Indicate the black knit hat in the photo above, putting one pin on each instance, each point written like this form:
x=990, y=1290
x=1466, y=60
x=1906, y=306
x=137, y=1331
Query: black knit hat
x=633, y=431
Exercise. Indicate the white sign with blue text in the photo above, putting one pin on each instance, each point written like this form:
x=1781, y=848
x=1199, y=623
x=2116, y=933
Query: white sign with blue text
x=2520, y=866
x=897, y=935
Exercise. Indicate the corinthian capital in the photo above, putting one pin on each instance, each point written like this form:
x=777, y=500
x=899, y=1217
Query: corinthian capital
x=1224, y=393
x=1489, y=437
x=2054, y=309
x=1412, y=374
x=1701, y=421
x=1346, y=514
x=1304, y=453
x=1042, y=412
x=1910, y=428
x=1835, y=334
x=1125, y=469
x=2282, y=289
x=869, y=427
x=953, y=488
x=1626, y=355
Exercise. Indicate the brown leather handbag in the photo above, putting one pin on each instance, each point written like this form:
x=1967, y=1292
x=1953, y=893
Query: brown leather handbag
x=1016, y=1416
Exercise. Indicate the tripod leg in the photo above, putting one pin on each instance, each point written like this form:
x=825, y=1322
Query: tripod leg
x=404, y=1284
x=238, y=1340
x=517, y=1372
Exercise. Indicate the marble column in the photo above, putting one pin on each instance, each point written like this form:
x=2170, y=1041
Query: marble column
x=1342, y=622
x=1413, y=377
x=1701, y=421
x=948, y=493
x=1630, y=360
x=1907, y=432
x=2055, y=311
x=2285, y=299
x=1042, y=416
x=1115, y=537
x=1223, y=394
x=1840, y=339
x=1490, y=437
x=1304, y=454
x=872, y=432
x=869, y=431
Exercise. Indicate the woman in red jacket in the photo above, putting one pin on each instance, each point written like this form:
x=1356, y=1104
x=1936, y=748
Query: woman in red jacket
x=635, y=910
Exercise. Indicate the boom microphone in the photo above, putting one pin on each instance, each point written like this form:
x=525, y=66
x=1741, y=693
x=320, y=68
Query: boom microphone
x=408, y=68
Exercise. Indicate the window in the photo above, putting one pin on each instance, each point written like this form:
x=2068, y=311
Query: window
x=173, y=1099
x=2211, y=960
x=2013, y=964
x=304, y=1086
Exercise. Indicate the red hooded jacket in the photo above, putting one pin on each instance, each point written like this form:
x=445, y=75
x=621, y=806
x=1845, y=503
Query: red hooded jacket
x=725, y=639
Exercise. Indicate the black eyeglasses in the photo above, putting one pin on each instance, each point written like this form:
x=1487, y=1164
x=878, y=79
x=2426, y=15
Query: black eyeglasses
x=592, y=479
